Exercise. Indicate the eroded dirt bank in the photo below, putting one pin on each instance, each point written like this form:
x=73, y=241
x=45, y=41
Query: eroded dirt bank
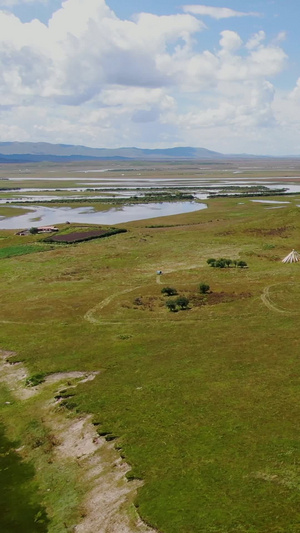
x=107, y=506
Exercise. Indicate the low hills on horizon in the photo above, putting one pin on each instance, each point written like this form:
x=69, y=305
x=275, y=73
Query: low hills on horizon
x=23, y=152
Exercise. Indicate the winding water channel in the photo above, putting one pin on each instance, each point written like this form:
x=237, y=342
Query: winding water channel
x=85, y=184
x=41, y=215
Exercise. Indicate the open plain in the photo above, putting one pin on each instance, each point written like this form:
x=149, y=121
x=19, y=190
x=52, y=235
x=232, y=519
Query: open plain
x=202, y=403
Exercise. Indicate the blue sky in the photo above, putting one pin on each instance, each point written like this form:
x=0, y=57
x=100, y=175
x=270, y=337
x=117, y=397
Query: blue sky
x=222, y=75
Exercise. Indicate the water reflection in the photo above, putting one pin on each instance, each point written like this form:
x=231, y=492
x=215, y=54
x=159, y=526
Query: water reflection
x=41, y=215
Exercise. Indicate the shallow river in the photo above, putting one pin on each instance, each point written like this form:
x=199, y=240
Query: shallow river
x=41, y=215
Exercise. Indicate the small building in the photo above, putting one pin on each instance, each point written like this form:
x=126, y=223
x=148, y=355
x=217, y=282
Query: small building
x=23, y=232
x=47, y=229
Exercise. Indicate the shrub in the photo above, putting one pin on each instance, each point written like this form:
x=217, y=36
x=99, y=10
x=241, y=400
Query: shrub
x=204, y=288
x=242, y=264
x=35, y=379
x=210, y=261
x=169, y=291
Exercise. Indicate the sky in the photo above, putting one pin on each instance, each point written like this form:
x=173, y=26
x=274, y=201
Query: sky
x=223, y=75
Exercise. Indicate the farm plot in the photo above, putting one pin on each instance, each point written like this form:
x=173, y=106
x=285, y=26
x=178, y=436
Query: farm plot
x=81, y=236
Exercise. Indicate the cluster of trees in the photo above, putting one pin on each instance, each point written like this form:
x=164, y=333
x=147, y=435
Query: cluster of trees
x=226, y=263
x=181, y=302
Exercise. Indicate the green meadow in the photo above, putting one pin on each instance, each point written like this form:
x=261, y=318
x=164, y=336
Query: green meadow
x=11, y=251
x=7, y=212
x=203, y=403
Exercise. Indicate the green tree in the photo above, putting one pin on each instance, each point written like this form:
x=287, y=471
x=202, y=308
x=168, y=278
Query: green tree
x=33, y=230
x=220, y=263
x=242, y=264
x=171, y=305
x=204, y=288
x=182, y=302
x=169, y=291
x=211, y=261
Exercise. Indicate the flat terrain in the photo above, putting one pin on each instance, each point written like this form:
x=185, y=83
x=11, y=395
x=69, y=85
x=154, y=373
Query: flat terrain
x=204, y=402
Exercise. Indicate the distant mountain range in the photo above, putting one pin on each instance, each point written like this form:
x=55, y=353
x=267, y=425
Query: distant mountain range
x=22, y=152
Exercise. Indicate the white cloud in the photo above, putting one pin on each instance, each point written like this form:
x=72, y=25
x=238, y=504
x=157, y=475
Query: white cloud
x=12, y=3
x=230, y=41
x=256, y=40
x=233, y=62
x=217, y=12
x=85, y=46
x=282, y=35
x=249, y=107
x=295, y=93
x=89, y=77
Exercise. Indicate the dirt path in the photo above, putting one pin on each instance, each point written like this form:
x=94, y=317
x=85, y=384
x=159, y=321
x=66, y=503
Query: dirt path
x=265, y=297
x=108, y=505
x=21, y=323
x=89, y=315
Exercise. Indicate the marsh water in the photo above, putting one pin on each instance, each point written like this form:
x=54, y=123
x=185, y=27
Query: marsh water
x=19, y=507
x=41, y=215
x=34, y=190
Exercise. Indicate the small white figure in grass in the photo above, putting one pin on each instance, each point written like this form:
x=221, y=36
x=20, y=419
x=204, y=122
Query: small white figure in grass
x=159, y=272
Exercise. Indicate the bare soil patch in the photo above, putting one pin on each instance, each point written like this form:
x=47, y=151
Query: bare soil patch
x=214, y=298
x=108, y=505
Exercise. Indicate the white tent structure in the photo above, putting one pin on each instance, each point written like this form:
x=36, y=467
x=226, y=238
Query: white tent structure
x=293, y=257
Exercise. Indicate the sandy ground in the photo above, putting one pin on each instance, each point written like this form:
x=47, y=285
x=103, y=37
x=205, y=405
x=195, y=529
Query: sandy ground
x=108, y=505
x=15, y=374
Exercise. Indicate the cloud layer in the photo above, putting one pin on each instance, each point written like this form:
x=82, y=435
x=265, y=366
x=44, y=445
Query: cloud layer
x=216, y=12
x=11, y=3
x=89, y=77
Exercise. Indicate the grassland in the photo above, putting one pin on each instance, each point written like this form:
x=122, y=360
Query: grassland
x=12, y=251
x=7, y=212
x=204, y=402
